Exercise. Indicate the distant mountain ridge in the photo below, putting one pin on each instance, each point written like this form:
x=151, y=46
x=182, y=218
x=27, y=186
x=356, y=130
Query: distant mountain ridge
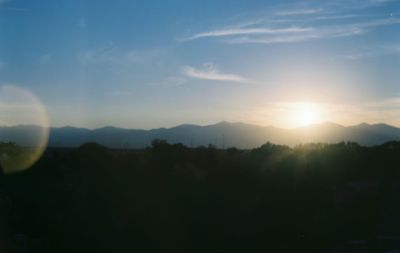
x=222, y=135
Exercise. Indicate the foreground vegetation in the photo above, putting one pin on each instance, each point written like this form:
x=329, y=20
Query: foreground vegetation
x=171, y=198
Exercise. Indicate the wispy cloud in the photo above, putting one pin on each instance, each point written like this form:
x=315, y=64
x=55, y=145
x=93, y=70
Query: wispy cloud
x=129, y=65
x=358, y=4
x=110, y=54
x=293, y=34
x=210, y=72
x=271, y=39
x=248, y=31
x=371, y=3
x=299, y=12
x=303, y=22
x=369, y=52
x=99, y=56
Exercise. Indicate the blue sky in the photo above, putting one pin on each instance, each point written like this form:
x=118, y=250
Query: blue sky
x=147, y=64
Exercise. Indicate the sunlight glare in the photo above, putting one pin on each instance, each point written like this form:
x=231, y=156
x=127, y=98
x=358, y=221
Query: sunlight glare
x=304, y=114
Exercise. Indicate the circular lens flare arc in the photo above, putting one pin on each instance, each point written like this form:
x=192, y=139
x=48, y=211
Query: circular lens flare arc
x=25, y=118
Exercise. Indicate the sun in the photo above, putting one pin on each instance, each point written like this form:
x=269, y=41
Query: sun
x=304, y=114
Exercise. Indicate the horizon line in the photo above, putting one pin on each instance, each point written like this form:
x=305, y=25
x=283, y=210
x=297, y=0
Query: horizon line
x=204, y=125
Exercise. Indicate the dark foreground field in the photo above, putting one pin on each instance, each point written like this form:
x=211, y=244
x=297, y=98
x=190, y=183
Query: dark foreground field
x=170, y=198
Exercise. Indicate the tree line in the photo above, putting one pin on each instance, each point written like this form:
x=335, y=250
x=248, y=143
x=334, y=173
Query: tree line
x=172, y=198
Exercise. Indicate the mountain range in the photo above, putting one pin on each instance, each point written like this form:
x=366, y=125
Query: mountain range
x=221, y=135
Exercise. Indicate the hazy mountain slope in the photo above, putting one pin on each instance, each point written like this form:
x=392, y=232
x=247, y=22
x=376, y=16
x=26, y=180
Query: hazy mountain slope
x=26, y=135
x=223, y=134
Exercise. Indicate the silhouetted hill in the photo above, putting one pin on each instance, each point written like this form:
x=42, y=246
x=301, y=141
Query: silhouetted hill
x=223, y=134
x=170, y=198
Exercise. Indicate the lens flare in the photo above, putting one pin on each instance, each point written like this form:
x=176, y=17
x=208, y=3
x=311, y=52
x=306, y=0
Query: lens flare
x=24, y=129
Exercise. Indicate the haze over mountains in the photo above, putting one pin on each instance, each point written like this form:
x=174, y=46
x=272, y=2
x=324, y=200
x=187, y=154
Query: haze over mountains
x=222, y=135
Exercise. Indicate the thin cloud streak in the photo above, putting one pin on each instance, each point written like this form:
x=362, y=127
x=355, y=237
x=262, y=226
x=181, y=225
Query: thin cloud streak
x=299, y=12
x=247, y=31
x=271, y=40
x=294, y=34
x=335, y=32
x=372, y=3
x=303, y=22
x=372, y=52
x=212, y=73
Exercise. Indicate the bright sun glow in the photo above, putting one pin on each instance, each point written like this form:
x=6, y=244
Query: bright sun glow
x=304, y=114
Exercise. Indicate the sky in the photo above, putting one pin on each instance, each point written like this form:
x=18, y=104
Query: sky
x=149, y=64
